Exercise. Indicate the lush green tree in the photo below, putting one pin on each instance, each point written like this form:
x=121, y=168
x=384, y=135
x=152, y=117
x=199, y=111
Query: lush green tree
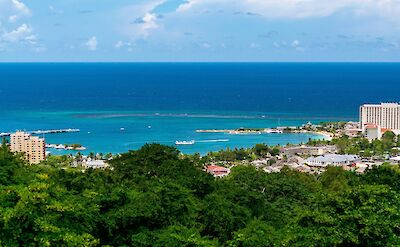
x=44, y=214
x=9, y=165
x=384, y=175
x=364, y=216
x=256, y=233
x=222, y=217
x=157, y=197
x=275, y=151
x=335, y=179
x=178, y=236
x=261, y=150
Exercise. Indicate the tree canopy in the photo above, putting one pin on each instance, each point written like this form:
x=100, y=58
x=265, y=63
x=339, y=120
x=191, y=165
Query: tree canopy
x=156, y=197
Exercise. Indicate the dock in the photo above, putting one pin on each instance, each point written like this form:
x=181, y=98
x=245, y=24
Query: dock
x=42, y=132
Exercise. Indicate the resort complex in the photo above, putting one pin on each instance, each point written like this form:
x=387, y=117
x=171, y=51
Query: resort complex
x=375, y=119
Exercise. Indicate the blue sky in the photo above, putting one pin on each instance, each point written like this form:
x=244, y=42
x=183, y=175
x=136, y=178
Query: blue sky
x=200, y=30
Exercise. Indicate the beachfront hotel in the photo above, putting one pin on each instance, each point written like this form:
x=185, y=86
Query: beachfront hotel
x=384, y=115
x=33, y=147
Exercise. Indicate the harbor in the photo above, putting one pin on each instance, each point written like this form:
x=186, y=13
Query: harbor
x=118, y=135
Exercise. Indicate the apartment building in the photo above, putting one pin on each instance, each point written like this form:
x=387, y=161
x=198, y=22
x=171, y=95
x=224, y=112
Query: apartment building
x=33, y=147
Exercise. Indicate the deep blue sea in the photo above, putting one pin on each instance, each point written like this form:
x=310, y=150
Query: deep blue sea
x=165, y=102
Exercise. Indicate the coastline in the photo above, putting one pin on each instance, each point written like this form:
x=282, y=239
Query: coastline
x=104, y=135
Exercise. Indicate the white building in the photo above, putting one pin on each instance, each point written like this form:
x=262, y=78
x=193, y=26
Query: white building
x=373, y=132
x=386, y=115
x=95, y=164
x=332, y=160
x=395, y=160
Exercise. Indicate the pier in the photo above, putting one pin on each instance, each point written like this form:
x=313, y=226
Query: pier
x=42, y=132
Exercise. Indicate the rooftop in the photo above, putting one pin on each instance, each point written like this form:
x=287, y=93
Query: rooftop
x=334, y=158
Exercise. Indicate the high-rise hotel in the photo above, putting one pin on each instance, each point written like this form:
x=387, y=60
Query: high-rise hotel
x=384, y=115
x=33, y=147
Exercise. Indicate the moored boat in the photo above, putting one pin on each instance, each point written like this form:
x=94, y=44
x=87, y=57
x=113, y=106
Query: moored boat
x=185, y=142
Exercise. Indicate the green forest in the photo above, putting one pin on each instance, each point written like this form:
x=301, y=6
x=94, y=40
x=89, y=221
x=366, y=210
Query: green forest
x=156, y=197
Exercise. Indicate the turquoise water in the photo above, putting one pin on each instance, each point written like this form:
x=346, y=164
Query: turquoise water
x=103, y=98
x=101, y=131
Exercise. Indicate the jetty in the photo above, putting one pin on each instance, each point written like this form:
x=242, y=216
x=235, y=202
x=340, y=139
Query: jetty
x=243, y=131
x=74, y=147
x=42, y=132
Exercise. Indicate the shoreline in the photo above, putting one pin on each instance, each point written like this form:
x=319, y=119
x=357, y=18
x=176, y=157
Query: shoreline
x=261, y=131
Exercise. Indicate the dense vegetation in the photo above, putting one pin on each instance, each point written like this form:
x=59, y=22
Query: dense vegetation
x=240, y=154
x=155, y=197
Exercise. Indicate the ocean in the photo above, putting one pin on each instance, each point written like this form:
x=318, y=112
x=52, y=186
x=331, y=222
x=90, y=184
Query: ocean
x=166, y=102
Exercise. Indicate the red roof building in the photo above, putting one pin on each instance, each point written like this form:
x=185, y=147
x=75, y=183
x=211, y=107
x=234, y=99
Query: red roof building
x=218, y=171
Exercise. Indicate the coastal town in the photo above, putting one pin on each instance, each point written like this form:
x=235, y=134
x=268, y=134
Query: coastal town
x=377, y=122
x=200, y=123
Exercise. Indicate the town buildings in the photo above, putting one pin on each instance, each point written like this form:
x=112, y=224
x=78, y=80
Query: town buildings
x=33, y=147
x=384, y=115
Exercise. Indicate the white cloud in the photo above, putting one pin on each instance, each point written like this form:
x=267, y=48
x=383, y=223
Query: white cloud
x=21, y=33
x=21, y=7
x=297, y=9
x=296, y=45
x=119, y=44
x=12, y=35
x=149, y=22
x=31, y=39
x=13, y=10
x=188, y=5
x=12, y=18
x=54, y=11
x=137, y=21
x=91, y=44
x=205, y=45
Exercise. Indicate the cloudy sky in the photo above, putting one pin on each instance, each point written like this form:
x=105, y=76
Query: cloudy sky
x=200, y=30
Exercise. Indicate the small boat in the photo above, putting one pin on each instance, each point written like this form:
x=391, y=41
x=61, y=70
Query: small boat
x=122, y=129
x=185, y=142
x=273, y=131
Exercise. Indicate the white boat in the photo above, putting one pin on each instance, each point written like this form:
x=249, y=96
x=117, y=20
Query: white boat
x=273, y=131
x=185, y=142
x=122, y=129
